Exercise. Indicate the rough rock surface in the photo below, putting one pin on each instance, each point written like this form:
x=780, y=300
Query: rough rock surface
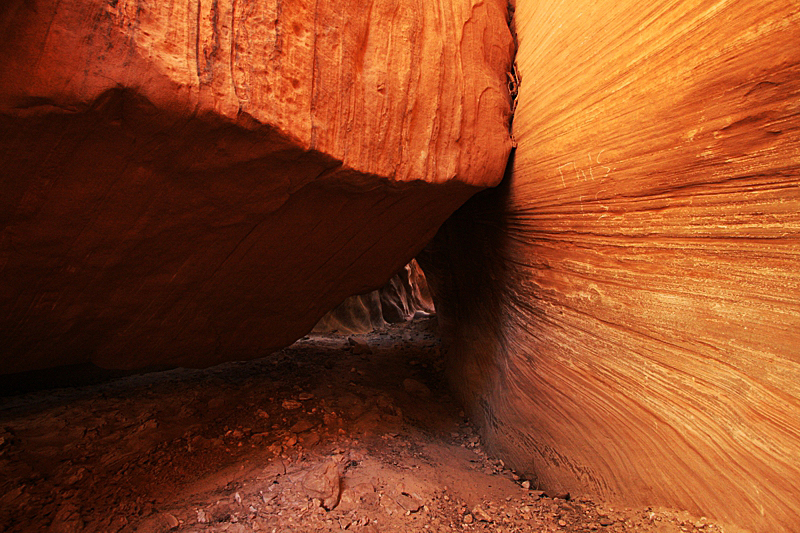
x=190, y=182
x=215, y=450
x=405, y=296
x=624, y=313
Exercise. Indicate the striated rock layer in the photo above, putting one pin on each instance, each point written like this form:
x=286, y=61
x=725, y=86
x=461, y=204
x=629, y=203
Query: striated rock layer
x=405, y=296
x=191, y=182
x=624, y=312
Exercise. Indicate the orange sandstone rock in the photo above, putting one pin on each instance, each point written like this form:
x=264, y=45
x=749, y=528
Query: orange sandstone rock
x=625, y=309
x=186, y=183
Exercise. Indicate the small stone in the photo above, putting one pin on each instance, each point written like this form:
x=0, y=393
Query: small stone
x=391, y=506
x=303, y=396
x=605, y=521
x=468, y=518
x=302, y=425
x=353, y=497
x=359, y=346
x=291, y=404
x=481, y=515
x=150, y=424
x=171, y=521
x=562, y=523
x=323, y=483
x=259, y=437
x=562, y=496
x=408, y=502
x=526, y=484
x=310, y=440
x=415, y=388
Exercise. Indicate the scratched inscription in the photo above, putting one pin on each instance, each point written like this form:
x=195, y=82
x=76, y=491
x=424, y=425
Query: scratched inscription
x=580, y=171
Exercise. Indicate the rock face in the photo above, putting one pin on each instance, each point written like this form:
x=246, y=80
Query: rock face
x=403, y=297
x=624, y=312
x=185, y=183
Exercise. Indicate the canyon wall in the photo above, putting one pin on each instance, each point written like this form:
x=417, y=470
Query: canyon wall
x=405, y=296
x=183, y=183
x=624, y=312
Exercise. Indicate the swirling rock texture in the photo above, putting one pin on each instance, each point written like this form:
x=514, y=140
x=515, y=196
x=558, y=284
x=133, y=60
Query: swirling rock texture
x=624, y=312
x=405, y=296
x=191, y=182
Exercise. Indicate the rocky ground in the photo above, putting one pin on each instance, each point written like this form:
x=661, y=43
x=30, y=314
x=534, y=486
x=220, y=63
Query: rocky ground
x=333, y=433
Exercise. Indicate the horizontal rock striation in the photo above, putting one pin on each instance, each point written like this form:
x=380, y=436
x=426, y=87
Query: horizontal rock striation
x=624, y=312
x=192, y=182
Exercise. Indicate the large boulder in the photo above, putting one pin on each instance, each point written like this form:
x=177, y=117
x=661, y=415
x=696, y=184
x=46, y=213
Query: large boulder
x=191, y=182
x=624, y=312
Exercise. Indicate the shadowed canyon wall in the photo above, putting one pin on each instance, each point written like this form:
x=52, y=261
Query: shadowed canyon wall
x=405, y=296
x=183, y=183
x=624, y=312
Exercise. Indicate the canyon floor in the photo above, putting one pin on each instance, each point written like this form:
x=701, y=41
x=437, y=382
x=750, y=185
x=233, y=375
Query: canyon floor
x=333, y=433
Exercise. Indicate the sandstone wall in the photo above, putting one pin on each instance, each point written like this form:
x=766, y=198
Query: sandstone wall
x=191, y=182
x=404, y=296
x=625, y=310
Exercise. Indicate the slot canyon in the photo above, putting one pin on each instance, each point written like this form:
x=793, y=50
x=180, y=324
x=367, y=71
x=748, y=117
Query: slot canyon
x=394, y=266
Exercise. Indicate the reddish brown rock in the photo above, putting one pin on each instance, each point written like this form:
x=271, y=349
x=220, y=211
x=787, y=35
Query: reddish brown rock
x=185, y=183
x=625, y=310
x=405, y=296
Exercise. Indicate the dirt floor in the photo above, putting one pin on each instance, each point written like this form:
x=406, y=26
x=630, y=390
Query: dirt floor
x=333, y=433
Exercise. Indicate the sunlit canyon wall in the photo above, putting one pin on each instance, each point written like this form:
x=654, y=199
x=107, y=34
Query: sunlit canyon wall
x=624, y=312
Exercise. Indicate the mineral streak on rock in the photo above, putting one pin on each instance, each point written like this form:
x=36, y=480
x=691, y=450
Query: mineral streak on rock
x=191, y=182
x=624, y=312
